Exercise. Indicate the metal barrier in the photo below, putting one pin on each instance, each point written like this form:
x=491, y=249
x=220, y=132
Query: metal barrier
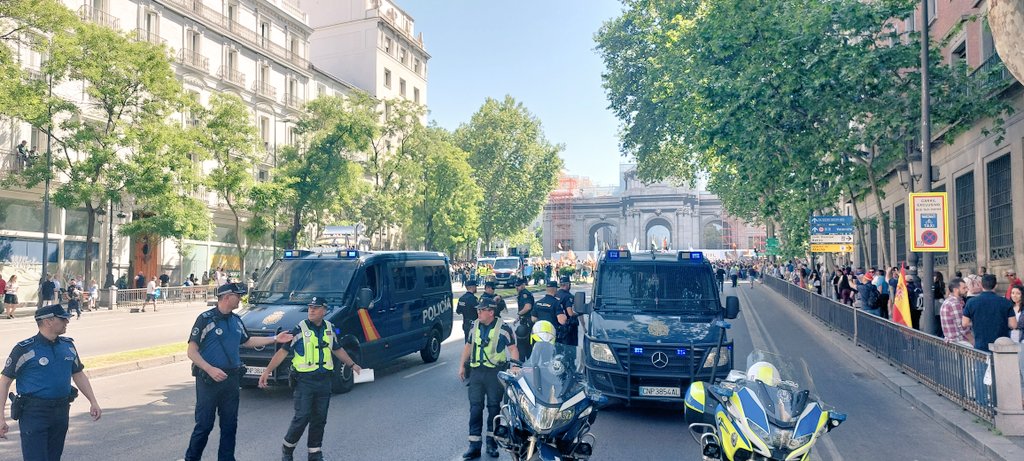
x=952, y=370
x=135, y=297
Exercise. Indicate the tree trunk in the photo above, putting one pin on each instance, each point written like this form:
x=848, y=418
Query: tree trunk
x=882, y=215
x=856, y=215
x=243, y=249
x=90, y=230
x=293, y=238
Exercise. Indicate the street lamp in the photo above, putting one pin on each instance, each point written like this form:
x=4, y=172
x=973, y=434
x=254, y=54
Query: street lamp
x=49, y=170
x=121, y=215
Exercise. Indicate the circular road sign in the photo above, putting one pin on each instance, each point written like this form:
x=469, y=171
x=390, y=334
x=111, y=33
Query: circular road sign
x=929, y=237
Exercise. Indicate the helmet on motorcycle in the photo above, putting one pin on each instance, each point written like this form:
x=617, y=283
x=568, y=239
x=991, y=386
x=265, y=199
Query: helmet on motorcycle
x=543, y=331
x=764, y=372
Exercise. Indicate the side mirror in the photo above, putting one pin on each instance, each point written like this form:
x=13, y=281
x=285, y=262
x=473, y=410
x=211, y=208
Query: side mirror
x=363, y=298
x=732, y=307
x=580, y=303
x=835, y=419
x=720, y=391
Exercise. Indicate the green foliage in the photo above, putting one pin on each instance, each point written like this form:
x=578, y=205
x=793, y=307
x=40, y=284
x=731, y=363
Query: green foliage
x=24, y=24
x=514, y=164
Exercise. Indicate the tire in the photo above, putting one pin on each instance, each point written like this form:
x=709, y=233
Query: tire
x=432, y=349
x=343, y=379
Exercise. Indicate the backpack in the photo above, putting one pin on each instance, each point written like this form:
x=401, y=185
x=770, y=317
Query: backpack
x=872, y=297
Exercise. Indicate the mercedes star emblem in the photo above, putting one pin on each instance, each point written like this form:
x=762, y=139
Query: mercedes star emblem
x=659, y=359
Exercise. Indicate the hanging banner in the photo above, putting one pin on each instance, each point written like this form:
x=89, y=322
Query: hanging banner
x=929, y=222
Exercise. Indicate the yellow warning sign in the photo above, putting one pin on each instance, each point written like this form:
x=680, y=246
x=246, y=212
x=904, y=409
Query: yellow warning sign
x=831, y=248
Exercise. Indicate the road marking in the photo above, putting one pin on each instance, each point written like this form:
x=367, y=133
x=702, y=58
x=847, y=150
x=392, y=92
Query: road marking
x=410, y=375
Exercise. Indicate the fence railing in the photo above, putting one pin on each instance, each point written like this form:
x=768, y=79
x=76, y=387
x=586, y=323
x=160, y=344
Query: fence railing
x=952, y=370
x=135, y=297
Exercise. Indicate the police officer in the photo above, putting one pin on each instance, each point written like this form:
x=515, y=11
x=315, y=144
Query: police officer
x=44, y=366
x=549, y=307
x=489, y=288
x=314, y=342
x=525, y=301
x=489, y=348
x=570, y=328
x=467, y=306
x=217, y=366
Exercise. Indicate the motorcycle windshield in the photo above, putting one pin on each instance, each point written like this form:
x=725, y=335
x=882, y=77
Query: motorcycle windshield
x=773, y=380
x=552, y=373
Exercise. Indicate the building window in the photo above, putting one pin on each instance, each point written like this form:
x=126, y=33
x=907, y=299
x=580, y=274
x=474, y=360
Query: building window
x=192, y=41
x=264, y=33
x=900, y=223
x=873, y=248
x=416, y=95
x=959, y=54
x=1000, y=209
x=265, y=130
x=932, y=11
x=401, y=86
x=387, y=78
x=912, y=22
x=988, y=47
x=966, y=245
x=321, y=90
x=403, y=56
x=262, y=175
x=388, y=44
x=416, y=66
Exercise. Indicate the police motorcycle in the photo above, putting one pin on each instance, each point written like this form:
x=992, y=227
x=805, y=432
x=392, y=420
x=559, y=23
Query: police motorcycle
x=547, y=410
x=760, y=414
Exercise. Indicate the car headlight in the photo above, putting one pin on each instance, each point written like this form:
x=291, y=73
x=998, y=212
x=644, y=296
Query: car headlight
x=602, y=353
x=543, y=418
x=723, y=360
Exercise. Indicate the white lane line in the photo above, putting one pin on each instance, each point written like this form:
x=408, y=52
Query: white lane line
x=410, y=375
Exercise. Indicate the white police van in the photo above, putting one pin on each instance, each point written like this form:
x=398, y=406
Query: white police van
x=383, y=305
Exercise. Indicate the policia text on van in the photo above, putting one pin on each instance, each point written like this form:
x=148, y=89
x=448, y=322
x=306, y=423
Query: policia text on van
x=406, y=306
x=651, y=326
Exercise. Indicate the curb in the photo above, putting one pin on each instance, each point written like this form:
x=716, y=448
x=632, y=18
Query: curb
x=958, y=421
x=129, y=367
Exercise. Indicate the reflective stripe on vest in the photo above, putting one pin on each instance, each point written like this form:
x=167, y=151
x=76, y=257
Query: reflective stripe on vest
x=487, y=356
x=314, y=357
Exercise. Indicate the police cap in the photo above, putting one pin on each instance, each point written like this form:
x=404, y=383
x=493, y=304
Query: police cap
x=486, y=303
x=552, y=284
x=564, y=279
x=491, y=285
x=471, y=283
x=521, y=281
x=53, y=310
x=228, y=288
x=318, y=301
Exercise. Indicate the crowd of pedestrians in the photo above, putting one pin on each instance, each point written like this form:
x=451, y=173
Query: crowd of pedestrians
x=536, y=271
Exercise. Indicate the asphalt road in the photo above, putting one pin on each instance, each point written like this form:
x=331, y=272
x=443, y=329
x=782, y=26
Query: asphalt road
x=415, y=411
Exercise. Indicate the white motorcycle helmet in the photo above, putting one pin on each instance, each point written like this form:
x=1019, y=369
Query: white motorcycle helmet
x=543, y=331
x=764, y=372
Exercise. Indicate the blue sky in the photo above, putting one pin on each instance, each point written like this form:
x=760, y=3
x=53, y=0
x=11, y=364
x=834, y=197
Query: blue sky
x=540, y=52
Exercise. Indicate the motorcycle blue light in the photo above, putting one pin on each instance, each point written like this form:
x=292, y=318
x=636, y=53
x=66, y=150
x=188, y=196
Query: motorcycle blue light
x=681, y=352
x=638, y=351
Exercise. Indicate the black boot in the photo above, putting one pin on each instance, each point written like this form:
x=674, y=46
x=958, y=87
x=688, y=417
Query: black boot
x=492, y=451
x=316, y=456
x=286, y=453
x=473, y=452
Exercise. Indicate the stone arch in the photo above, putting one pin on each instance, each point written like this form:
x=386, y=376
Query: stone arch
x=712, y=234
x=607, y=234
x=659, y=232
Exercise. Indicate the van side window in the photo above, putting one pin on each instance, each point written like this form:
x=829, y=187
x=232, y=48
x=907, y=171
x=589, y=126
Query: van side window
x=371, y=281
x=434, y=276
x=403, y=278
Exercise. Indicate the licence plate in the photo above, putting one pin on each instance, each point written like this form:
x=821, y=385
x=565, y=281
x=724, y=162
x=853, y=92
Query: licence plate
x=255, y=371
x=648, y=391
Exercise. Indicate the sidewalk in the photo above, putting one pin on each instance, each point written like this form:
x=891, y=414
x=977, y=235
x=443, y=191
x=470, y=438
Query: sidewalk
x=963, y=424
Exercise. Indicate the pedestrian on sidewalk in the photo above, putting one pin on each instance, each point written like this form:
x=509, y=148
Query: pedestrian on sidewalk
x=43, y=367
x=11, y=296
x=217, y=366
x=75, y=298
x=150, y=294
x=1011, y=276
x=313, y=368
x=989, y=316
x=48, y=290
x=951, y=315
x=3, y=299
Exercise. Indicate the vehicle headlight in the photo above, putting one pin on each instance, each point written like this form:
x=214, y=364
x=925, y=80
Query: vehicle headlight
x=723, y=360
x=602, y=353
x=543, y=418
x=780, y=438
x=799, y=441
x=760, y=433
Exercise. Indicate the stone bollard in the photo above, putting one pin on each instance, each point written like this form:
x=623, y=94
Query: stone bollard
x=1009, y=407
x=108, y=298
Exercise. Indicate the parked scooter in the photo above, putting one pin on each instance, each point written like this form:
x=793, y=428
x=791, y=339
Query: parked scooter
x=547, y=410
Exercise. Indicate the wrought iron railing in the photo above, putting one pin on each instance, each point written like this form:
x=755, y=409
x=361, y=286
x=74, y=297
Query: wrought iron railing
x=144, y=35
x=88, y=13
x=194, y=60
x=264, y=89
x=994, y=71
x=294, y=101
x=231, y=76
x=134, y=298
x=952, y=370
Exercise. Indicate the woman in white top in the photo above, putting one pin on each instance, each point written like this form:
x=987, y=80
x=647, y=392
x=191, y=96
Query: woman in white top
x=11, y=296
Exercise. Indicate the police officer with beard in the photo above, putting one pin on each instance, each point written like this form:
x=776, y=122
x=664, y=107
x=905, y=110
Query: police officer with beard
x=569, y=331
x=489, y=293
x=467, y=306
x=525, y=301
x=489, y=348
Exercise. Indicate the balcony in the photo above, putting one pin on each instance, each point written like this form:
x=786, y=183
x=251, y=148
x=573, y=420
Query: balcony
x=294, y=101
x=264, y=89
x=232, y=76
x=88, y=13
x=144, y=35
x=194, y=60
x=994, y=71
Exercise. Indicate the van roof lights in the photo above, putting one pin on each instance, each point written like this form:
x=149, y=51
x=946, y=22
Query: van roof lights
x=293, y=254
x=617, y=254
x=348, y=254
x=694, y=256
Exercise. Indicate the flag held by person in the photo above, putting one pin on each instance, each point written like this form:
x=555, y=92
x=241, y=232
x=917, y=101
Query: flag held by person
x=901, y=301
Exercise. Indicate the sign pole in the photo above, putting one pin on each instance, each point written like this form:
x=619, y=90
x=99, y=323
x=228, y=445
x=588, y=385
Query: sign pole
x=927, y=263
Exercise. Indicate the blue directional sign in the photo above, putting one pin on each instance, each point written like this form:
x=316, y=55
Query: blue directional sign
x=831, y=230
x=832, y=220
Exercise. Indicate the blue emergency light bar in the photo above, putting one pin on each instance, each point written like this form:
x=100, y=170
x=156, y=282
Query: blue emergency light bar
x=691, y=256
x=617, y=254
x=348, y=254
x=292, y=254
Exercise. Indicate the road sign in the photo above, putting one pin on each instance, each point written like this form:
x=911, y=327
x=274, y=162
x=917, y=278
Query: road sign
x=831, y=230
x=929, y=222
x=832, y=220
x=831, y=248
x=772, y=246
x=832, y=238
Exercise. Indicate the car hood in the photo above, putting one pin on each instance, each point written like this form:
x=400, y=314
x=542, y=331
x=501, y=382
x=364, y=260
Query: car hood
x=652, y=328
x=273, y=316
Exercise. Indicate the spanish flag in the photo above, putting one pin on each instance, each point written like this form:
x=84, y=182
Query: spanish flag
x=901, y=301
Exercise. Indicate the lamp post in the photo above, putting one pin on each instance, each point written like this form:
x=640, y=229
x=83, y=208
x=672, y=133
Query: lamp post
x=109, y=281
x=46, y=189
x=928, y=314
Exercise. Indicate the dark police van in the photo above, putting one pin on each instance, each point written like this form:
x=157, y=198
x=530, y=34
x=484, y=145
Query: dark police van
x=383, y=305
x=652, y=325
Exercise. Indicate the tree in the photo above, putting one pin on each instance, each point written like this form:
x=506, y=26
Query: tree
x=514, y=164
x=445, y=215
x=25, y=24
x=230, y=139
x=321, y=174
x=131, y=90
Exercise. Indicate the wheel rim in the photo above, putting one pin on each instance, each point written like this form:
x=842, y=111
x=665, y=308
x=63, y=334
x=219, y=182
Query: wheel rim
x=435, y=345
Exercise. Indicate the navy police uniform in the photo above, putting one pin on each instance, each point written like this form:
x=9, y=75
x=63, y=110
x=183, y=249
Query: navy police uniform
x=488, y=357
x=524, y=298
x=218, y=336
x=42, y=370
x=568, y=333
x=467, y=308
x=548, y=307
x=499, y=303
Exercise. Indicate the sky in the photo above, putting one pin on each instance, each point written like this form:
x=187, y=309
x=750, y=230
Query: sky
x=542, y=53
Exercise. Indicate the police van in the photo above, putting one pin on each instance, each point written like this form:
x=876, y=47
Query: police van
x=383, y=305
x=652, y=325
